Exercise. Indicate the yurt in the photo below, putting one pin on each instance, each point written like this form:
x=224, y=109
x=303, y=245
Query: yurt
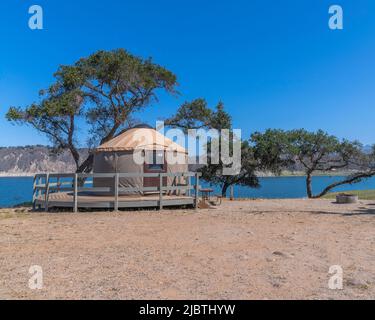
x=123, y=154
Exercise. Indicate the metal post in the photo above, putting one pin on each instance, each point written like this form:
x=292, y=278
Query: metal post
x=116, y=191
x=46, y=196
x=160, y=191
x=196, y=190
x=75, y=199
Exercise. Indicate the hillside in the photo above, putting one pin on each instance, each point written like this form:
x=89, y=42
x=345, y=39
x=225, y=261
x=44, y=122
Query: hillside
x=32, y=159
x=29, y=160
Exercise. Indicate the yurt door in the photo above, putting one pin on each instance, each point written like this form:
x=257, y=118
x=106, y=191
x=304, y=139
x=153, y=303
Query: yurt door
x=156, y=163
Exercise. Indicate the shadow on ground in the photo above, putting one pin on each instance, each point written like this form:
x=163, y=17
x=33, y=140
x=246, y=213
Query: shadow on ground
x=357, y=212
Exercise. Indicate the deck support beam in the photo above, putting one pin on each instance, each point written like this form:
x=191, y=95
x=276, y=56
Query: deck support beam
x=116, y=191
x=160, y=191
x=75, y=198
x=196, y=190
x=35, y=192
x=46, y=193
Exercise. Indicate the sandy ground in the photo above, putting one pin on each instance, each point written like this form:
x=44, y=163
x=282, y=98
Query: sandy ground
x=263, y=249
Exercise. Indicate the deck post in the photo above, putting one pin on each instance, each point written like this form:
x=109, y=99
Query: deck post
x=231, y=193
x=116, y=191
x=160, y=191
x=38, y=182
x=34, y=190
x=178, y=191
x=196, y=190
x=46, y=196
x=189, y=185
x=39, y=191
x=75, y=198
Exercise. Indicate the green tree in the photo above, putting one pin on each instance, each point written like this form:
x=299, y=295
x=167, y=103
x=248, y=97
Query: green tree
x=246, y=176
x=55, y=117
x=197, y=115
x=316, y=152
x=105, y=89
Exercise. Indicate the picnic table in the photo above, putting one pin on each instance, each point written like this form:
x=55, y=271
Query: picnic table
x=206, y=193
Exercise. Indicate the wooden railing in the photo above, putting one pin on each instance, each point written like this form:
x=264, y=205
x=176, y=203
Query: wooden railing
x=45, y=184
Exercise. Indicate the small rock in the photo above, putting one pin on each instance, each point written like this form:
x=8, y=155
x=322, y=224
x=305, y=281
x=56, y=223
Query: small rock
x=278, y=253
x=358, y=284
x=281, y=254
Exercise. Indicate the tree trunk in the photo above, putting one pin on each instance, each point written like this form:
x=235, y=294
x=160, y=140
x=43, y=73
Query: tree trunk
x=110, y=134
x=308, y=186
x=75, y=156
x=87, y=165
x=71, y=145
x=224, y=190
x=352, y=179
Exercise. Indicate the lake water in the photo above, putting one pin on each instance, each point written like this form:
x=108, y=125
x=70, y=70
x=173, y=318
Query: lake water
x=17, y=190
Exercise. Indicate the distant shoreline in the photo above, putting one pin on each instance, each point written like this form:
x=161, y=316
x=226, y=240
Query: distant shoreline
x=16, y=175
x=285, y=174
x=291, y=174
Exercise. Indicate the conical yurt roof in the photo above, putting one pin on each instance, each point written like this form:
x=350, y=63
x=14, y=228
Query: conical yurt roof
x=140, y=138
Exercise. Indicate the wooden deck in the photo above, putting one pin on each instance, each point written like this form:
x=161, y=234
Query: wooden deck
x=85, y=200
x=65, y=191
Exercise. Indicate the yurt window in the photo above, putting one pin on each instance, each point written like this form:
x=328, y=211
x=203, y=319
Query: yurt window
x=155, y=160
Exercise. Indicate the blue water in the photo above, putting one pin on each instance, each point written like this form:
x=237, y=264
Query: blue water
x=17, y=190
x=293, y=187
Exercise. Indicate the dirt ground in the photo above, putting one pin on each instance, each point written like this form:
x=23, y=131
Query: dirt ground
x=261, y=249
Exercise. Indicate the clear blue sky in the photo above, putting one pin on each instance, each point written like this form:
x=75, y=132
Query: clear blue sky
x=273, y=63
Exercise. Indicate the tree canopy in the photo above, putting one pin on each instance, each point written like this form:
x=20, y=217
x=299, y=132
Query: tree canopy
x=246, y=176
x=314, y=151
x=197, y=115
x=105, y=89
x=54, y=116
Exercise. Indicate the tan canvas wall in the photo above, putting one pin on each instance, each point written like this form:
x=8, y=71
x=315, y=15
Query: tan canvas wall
x=122, y=162
x=177, y=168
x=117, y=162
